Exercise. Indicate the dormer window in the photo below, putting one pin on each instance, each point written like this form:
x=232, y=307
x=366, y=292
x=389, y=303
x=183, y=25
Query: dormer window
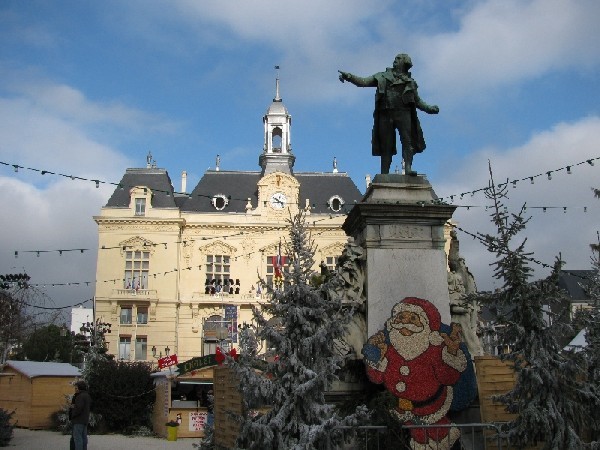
x=219, y=202
x=140, y=206
x=335, y=203
x=140, y=200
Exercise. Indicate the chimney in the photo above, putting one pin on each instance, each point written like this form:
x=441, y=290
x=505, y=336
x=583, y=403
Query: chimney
x=183, y=181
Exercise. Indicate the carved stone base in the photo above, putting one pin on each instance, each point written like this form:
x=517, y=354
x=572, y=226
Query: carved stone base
x=400, y=225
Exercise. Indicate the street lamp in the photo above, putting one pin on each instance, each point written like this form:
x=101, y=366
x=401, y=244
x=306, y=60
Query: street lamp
x=167, y=351
x=222, y=335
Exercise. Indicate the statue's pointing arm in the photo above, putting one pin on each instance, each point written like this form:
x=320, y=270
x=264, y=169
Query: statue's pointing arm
x=358, y=81
x=429, y=109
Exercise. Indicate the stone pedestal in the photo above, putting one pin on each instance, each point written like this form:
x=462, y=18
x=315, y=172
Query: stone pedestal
x=400, y=224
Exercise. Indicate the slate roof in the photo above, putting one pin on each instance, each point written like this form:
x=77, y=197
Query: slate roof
x=33, y=369
x=571, y=281
x=318, y=187
x=157, y=180
x=239, y=185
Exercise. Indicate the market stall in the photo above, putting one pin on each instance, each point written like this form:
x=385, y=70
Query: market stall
x=182, y=396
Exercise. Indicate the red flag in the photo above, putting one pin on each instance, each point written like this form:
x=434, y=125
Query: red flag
x=219, y=356
x=278, y=262
x=276, y=267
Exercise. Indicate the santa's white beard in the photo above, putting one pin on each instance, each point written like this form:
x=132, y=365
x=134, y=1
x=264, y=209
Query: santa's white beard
x=409, y=347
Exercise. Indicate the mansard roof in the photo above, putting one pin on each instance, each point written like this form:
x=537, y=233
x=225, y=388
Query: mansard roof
x=574, y=283
x=317, y=187
x=157, y=180
x=238, y=186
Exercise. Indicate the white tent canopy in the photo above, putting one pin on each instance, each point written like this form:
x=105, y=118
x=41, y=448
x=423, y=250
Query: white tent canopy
x=578, y=343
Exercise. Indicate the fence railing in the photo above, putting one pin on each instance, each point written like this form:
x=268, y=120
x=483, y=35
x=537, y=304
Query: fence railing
x=473, y=436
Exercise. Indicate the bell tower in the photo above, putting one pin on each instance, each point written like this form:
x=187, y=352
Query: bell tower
x=277, y=150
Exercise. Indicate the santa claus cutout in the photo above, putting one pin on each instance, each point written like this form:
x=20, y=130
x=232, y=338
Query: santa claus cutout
x=419, y=364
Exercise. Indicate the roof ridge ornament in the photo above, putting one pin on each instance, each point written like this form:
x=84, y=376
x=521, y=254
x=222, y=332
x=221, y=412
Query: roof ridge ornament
x=150, y=162
x=277, y=96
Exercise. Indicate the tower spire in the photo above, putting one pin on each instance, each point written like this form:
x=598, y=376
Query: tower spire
x=277, y=151
x=277, y=97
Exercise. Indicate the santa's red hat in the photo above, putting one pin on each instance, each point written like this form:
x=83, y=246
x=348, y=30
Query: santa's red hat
x=424, y=308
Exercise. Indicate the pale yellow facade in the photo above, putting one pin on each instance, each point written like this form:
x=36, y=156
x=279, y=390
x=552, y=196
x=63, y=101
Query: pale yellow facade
x=178, y=244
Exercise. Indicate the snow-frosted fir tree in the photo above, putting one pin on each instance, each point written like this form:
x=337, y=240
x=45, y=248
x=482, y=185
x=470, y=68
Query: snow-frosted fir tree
x=549, y=396
x=95, y=348
x=592, y=327
x=307, y=322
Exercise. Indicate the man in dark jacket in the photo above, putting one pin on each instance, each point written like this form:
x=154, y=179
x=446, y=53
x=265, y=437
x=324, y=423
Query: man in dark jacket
x=79, y=414
x=396, y=104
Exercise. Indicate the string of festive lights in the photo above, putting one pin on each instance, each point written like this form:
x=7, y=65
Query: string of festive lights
x=58, y=308
x=531, y=179
x=59, y=251
x=98, y=182
x=481, y=238
x=564, y=209
x=165, y=244
x=165, y=273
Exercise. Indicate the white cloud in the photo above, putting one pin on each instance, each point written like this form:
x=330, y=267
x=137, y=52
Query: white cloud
x=57, y=217
x=53, y=128
x=36, y=138
x=477, y=46
x=549, y=233
x=65, y=102
x=500, y=42
x=497, y=42
x=310, y=39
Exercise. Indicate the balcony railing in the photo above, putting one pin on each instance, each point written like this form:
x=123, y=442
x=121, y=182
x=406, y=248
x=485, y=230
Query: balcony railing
x=225, y=297
x=143, y=293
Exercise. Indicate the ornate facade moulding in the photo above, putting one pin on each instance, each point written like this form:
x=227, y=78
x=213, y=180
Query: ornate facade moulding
x=104, y=221
x=217, y=248
x=137, y=243
x=334, y=249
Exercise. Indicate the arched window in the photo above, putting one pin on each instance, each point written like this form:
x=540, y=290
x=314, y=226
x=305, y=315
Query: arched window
x=276, y=142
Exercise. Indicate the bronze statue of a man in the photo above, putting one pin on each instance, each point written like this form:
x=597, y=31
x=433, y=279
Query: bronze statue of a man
x=396, y=103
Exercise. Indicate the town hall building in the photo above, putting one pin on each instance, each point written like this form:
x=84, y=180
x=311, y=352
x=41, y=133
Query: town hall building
x=177, y=271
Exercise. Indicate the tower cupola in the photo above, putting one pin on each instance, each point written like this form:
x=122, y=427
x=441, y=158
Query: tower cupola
x=277, y=150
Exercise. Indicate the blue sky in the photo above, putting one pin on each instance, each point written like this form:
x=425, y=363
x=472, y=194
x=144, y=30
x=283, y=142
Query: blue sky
x=88, y=88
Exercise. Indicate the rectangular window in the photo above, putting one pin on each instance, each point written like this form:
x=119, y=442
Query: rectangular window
x=124, y=347
x=331, y=263
x=140, y=206
x=142, y=314
x=141, y=348
x=137, y=266
x=218, y=268
x=210, y=347
x=125, y=315
x=276, y=265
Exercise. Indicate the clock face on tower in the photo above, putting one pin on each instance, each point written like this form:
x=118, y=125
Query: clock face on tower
x=278, y=200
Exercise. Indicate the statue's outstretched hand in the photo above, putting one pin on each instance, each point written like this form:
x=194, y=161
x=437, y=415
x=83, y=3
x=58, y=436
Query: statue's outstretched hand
x=343, y=76
x=435, y=109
